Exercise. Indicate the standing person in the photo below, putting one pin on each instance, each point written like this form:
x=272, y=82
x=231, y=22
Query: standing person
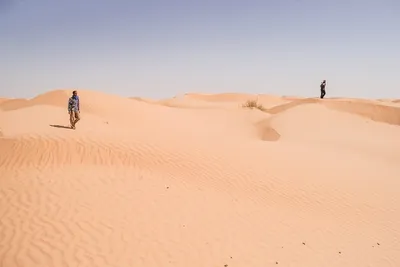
x=323, y=92
x=73, y=109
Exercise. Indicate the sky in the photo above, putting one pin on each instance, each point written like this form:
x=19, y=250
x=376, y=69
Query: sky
x=164, y=48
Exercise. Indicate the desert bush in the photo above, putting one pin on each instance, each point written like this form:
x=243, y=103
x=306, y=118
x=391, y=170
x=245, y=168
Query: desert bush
x=253, y=104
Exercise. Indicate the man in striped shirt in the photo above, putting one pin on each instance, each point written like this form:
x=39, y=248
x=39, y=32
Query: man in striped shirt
x=73, y=109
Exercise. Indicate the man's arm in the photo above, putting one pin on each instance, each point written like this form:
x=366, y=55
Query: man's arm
x=69, y=105
x=77, y=102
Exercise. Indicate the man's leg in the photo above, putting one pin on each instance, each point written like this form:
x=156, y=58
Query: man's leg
x=72, y=119
x=77, y=117
x=322, y=93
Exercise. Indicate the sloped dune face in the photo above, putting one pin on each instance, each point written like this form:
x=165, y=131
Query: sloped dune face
x=58, y=98
x=54, y=98
x=374, y=111
x=13, y=104
x=225, y=97
x=193, y=103
x=143, y=99
x=304, y=182
x=238, y=99
x=318, y=123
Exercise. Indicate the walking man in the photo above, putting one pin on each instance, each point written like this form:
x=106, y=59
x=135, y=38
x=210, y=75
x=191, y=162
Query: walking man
x=73, y=109
x=323, y=92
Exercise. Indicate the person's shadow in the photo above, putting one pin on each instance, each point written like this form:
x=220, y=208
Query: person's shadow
x=60, y=126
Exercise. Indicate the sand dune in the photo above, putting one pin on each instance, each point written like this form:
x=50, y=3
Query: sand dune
x=375, y=111
x=12, y=104
x=199, y=181
x=147, y=100
x=194, y=103
x=224, y=97
x=265, y=100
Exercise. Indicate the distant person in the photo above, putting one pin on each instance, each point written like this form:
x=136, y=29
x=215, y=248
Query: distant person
x=73, y=109
x=323, y=92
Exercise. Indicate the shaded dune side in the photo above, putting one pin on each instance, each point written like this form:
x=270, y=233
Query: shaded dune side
x=237, y=100
x=389, y=100
x=281, y=108
x=373, y=111
x=13, y=104
x=192, y=103
x=266, y=131
x=147, y=100
x=233, y=97
x=223, y=97
x=3, y=100
x=291, y=98
x=57, y=98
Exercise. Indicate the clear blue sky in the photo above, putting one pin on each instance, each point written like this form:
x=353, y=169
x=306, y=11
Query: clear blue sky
x=161, y=48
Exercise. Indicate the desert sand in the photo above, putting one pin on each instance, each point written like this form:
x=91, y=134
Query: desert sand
x=198, y=180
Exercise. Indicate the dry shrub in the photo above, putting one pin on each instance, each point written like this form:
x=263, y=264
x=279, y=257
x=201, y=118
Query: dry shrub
x=253, y=104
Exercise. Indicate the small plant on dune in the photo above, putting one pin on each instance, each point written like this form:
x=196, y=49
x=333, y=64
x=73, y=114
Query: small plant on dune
x=253, y=104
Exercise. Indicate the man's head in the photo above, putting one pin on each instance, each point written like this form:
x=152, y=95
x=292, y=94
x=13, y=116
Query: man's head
x=74, y=93
x=324, y=81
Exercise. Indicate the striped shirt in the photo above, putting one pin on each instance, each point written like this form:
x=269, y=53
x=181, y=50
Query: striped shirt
x=73, y=103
